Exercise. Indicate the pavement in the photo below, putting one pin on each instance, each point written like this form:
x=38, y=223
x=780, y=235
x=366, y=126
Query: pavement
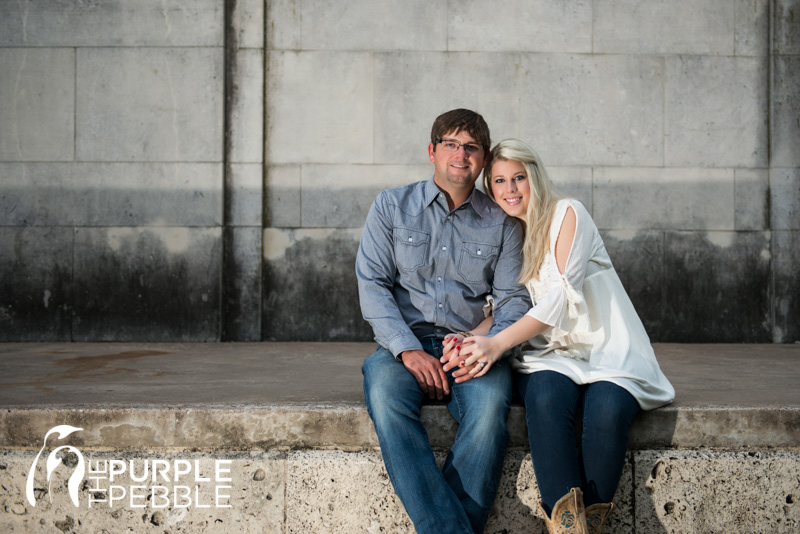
x=728, y=395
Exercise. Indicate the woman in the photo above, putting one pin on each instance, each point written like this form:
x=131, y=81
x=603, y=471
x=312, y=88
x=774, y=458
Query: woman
x=587, y=349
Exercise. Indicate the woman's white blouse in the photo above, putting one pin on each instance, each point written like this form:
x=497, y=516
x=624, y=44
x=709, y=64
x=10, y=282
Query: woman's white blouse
x=596, y=333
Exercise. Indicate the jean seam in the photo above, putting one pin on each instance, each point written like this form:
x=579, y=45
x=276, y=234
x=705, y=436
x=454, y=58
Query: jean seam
x=456, y=394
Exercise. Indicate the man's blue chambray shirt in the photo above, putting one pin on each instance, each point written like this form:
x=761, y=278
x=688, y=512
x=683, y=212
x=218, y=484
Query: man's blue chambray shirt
x=425, y=270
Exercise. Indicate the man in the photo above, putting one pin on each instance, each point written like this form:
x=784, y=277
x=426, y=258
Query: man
x=430, y=254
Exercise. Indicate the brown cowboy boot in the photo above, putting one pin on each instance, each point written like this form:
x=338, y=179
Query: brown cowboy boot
x=596, y=516
x=569, y=516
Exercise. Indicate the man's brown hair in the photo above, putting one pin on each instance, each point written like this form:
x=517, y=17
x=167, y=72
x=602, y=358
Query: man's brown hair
x=461, y=119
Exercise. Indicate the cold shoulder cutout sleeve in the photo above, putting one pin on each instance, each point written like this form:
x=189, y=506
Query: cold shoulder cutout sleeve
x=558, y=297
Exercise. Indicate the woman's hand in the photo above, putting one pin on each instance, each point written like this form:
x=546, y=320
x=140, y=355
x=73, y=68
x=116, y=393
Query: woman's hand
x=453, y=359
x=450, y=347
x=480, y=352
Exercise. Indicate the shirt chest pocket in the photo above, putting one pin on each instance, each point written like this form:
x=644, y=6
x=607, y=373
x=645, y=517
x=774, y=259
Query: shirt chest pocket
x=410, y=248
x=477, y=261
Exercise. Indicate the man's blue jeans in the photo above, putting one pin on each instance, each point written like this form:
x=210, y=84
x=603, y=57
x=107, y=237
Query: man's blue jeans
x=457, y=498
x=552, y=405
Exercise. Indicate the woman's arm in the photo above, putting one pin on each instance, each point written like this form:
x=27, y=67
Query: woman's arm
x=490, y=349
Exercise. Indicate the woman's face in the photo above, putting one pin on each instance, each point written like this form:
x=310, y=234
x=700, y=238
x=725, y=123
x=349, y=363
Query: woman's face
x=510, y=187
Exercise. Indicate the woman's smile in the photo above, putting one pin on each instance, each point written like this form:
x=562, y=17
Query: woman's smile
x=510, y=187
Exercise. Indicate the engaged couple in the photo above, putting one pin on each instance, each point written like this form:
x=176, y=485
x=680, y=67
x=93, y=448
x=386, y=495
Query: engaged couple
x=473, y=297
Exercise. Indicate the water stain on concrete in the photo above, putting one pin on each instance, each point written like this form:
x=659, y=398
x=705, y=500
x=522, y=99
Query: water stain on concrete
x=91, y=367
x=311, y=291
x=98, y=366
x=698, y=287
x=143, y=291
x=36, y=284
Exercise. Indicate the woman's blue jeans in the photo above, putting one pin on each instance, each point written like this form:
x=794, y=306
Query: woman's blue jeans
x=457, y=497
x=552, y=405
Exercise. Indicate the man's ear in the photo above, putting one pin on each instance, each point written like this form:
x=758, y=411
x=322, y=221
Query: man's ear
x=487, y=157
x=431, y=148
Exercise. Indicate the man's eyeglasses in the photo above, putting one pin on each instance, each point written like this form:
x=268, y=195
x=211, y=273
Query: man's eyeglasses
x=451, y=145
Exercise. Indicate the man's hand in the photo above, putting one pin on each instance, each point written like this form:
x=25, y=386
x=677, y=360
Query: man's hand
x=428, y=372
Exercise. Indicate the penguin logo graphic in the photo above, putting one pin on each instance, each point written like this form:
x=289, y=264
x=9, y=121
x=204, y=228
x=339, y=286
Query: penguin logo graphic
x=53, y=461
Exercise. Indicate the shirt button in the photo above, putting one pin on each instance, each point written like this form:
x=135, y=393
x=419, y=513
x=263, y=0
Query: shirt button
x=439, y=279
x=479, y=253
x=444, y=248
x=411, y=239
x=440, y=305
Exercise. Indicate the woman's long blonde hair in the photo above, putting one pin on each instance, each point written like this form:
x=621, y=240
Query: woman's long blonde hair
x=541, y=206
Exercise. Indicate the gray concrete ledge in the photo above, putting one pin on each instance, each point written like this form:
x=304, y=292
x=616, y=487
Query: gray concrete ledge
x=242, y=396
x=289, y=420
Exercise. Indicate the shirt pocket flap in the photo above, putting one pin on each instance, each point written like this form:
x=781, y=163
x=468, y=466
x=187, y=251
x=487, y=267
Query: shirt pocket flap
x=477, y=261
x=410, y=247
x=479, y=250
x=407, y=236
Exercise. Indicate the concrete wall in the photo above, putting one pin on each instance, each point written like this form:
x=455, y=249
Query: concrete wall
x=111, y=191
x=252, y=138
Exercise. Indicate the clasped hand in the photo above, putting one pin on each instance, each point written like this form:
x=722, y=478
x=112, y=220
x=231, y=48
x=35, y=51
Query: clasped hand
x=471, y=357
x=474, y=356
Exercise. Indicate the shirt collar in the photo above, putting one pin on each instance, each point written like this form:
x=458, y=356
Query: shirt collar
x=479, y=202
x=430, y=191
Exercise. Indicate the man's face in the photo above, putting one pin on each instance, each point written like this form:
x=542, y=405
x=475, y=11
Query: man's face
x=458, y=169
